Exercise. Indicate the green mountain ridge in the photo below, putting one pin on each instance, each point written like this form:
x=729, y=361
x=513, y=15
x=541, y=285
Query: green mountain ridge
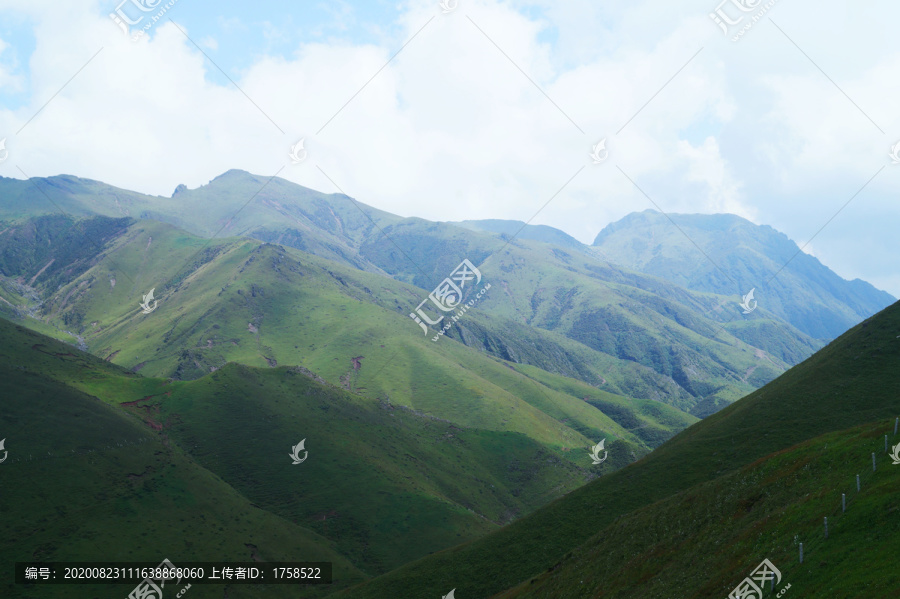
x=222, y=318
x=335, y=226
x=590, y=306
x=431, y=463
x=852, y=381
x=382, y=484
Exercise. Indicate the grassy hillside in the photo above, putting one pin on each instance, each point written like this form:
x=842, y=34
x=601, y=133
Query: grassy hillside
x=156, y=259
x=854, y=380
x=387, y=484
x=703, y=541
x=329, y=225
x=263, y=305
x=86, y=481
x=558, y=286
x=622, y=314
x=639, y=320
x=382, y=484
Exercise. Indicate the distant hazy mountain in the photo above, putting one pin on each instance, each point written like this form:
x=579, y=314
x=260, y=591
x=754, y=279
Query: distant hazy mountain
x=805, y=293
x=520, y=230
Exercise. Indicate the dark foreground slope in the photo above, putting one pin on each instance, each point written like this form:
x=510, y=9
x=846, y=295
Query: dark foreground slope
x=107, y=465
x=702, y=542
x=86, y=481
x=854, y=380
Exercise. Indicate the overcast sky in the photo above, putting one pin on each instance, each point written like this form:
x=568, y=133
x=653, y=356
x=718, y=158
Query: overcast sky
x=489, y=110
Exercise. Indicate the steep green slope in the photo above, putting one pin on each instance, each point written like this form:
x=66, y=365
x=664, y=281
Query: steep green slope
x=853, y=380
x=679, y=334
x=504, y=339
x=650, y=421
x=262, y=305
x=702, y=542
x=85, y=481
x=55, y=248
x=640, y=320
x=386, y=484
x=330, y=225
x=382, y=484
x=806, y=293
x=423, y=253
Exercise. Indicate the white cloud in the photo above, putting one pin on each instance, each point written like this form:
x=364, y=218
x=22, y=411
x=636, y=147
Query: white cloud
x=706, y=165
x=451, y=129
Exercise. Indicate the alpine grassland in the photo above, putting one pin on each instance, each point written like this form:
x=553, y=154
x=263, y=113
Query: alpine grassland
x=853, y=381
x=703, y=541
x=85, y=480
x=163, y=357
x=383, y=484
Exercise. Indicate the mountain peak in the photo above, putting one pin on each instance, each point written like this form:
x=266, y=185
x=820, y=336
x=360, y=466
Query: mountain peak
x=753, y=256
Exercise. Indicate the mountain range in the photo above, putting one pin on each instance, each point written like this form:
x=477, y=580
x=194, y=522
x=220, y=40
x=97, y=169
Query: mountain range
x=699, y=513
x=657, y=328
x=189, y=342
